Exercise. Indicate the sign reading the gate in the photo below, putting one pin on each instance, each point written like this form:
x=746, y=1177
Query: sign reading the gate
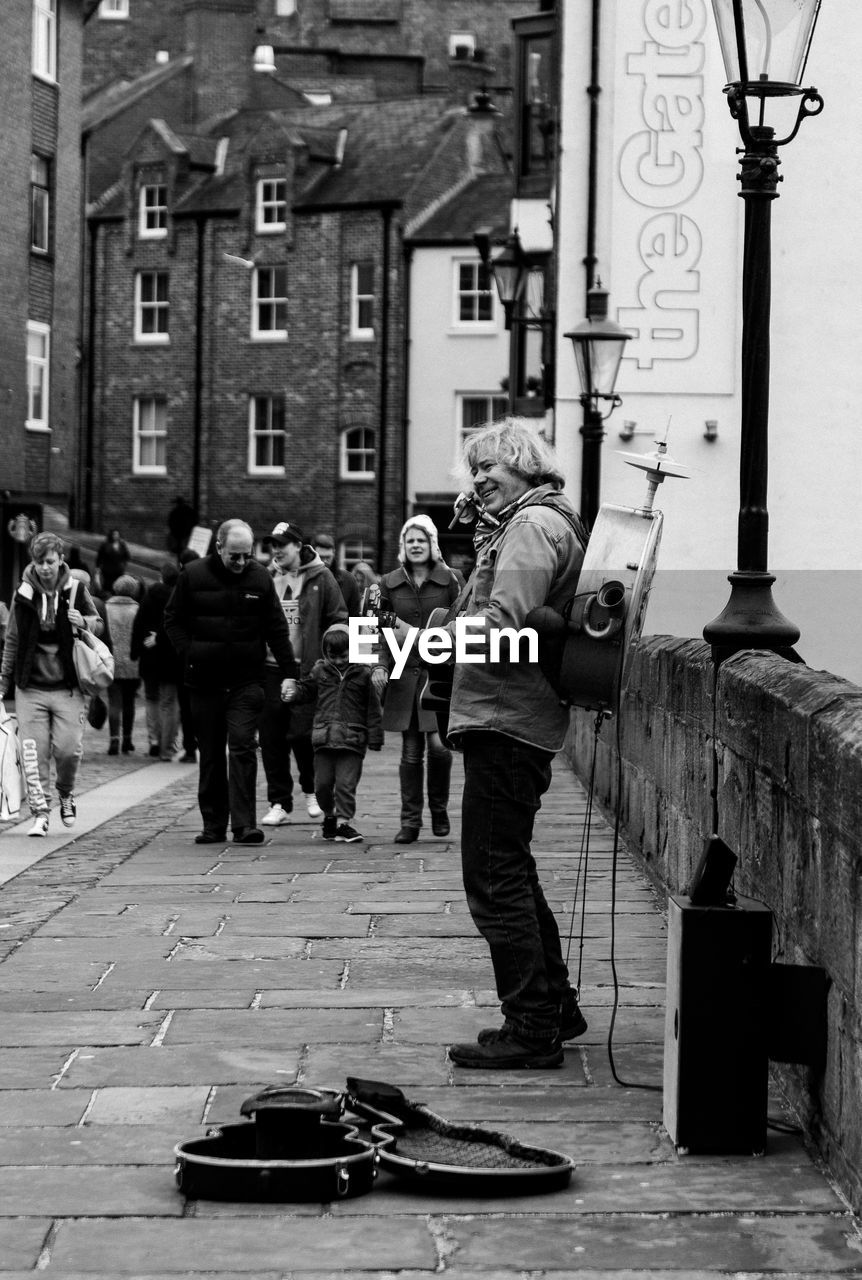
x=674, y=220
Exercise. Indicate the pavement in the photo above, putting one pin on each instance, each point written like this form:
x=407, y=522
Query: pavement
x=149, y=985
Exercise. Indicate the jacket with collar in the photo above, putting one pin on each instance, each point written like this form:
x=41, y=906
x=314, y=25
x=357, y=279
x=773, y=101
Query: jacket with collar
x=25, y=632
x=532, y=559
x=220, y=624
x=413, y=604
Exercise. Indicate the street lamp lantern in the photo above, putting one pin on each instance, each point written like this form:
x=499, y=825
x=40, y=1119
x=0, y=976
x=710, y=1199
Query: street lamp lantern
x=510, y=270
x=598, y=343
x=765, y=45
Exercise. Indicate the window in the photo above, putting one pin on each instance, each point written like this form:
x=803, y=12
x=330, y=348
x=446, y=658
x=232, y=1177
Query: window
x=45, y=39
x=153, y=211
x=150, y=436
x=357, y=454
x=151, y=306
x=271, y=205
x=38, y=375
x=474, y=297
x=285, y=8
x=462, y=45
x=477, y=409
x=40, y=203
x=269, y=303
x=362, y=300
x=266, y=435
x=114, y=9
x=352, y=550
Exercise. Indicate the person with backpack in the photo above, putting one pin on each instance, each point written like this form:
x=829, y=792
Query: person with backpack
x=509, y=723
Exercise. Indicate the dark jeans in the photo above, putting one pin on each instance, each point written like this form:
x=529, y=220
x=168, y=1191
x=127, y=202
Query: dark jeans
x=276, y=744
x=336, y=777
x=121, y=706
x=226, y=719
x=504, y=781
x=411, y=774
x=187, y=723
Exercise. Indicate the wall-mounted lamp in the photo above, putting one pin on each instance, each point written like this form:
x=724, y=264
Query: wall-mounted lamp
x=627, y=430
x=711, y=430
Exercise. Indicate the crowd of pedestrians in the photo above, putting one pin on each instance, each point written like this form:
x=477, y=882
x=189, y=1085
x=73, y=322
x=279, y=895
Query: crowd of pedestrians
x=250, y=657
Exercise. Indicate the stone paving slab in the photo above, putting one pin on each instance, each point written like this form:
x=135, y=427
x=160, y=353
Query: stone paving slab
x=134, y=926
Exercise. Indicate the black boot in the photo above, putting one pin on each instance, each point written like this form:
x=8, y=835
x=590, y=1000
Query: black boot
x=411, y=777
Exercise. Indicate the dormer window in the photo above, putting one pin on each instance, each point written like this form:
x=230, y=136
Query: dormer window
x=271, y=205
x=153, y=211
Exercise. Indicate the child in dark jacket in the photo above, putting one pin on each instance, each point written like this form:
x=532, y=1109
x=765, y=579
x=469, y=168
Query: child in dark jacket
x=346, y=722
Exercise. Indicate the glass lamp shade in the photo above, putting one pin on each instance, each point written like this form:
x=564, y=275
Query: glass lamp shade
x=765, y=40
x=599, y=344
x=510, y=272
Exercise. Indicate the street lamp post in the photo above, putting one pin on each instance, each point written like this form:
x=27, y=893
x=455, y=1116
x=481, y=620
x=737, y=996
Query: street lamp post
x=598, y=344
x=770, y=38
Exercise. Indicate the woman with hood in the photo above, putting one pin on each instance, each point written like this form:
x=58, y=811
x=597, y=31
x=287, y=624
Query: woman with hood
x=422, y=582
x=47, y=609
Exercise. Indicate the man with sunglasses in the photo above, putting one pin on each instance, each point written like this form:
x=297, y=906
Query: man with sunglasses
x=223, y=614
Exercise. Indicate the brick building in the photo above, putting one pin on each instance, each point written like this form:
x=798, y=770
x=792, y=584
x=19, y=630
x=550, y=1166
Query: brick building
x=41, y=54
x=246, y=339
x=455, y=44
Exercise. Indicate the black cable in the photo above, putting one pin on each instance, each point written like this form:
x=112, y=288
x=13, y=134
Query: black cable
x=583, y=862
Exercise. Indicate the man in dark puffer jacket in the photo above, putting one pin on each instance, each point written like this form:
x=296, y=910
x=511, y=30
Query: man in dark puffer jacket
x=222, y=615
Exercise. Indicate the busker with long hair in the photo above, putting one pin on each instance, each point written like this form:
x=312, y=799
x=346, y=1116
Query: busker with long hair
x=47, y=609
x=422, y=583
x=508, y=722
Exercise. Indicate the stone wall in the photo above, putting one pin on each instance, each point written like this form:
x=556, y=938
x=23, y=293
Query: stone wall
x=777, y=748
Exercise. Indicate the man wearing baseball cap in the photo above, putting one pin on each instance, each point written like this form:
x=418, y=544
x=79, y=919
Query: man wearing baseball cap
x=312, y=602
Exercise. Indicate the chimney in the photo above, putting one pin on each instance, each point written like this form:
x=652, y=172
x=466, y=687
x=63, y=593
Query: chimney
x=483, y=117
x=221, y=35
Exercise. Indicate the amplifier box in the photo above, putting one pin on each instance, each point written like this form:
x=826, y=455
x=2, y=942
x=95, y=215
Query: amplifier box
x=715, y=1047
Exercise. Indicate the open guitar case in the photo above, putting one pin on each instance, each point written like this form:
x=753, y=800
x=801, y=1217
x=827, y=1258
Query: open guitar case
x=303, y=1145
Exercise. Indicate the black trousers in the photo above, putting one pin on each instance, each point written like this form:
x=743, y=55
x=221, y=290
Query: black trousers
x=225, y=725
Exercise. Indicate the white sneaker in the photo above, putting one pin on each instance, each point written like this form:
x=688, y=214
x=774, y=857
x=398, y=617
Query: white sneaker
x=277, y=817
x=314, y=809
x=40, y=825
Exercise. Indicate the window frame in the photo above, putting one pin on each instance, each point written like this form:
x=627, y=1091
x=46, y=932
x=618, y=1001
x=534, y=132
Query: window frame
x=262, y=227
x=140, y=468
x=274, y=300
x=35, y=328
x=461, y=397
x=159, y=306
x=462, y=40
x=346, y=561
x=359, y=332
x=45, y=189
x=346, y=451
x=255, y=433
x=119, y=14
x=44, y=52
x=144, y=209
x=478, y=325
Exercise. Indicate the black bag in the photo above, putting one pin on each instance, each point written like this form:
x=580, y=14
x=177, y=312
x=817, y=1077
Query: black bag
x=97, y=712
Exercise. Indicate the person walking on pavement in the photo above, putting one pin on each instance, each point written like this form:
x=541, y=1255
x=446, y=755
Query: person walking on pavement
x=324, y=545
x=508, y=722
x=187, y=724
x=421, y=584
x=346, y=723
x=112, y=559
x=159, y=665
x=312, y=602
x=121, y=609
x=221, y=617
x=47, y=609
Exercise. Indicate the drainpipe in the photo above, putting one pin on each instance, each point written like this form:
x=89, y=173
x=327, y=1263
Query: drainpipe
x=197, y=401
x=90, y=393
x=382, y=452
x=593, y=91
x=405, y=373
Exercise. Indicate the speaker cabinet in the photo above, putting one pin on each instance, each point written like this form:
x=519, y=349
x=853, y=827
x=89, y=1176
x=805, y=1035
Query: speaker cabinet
x=715, y=1046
